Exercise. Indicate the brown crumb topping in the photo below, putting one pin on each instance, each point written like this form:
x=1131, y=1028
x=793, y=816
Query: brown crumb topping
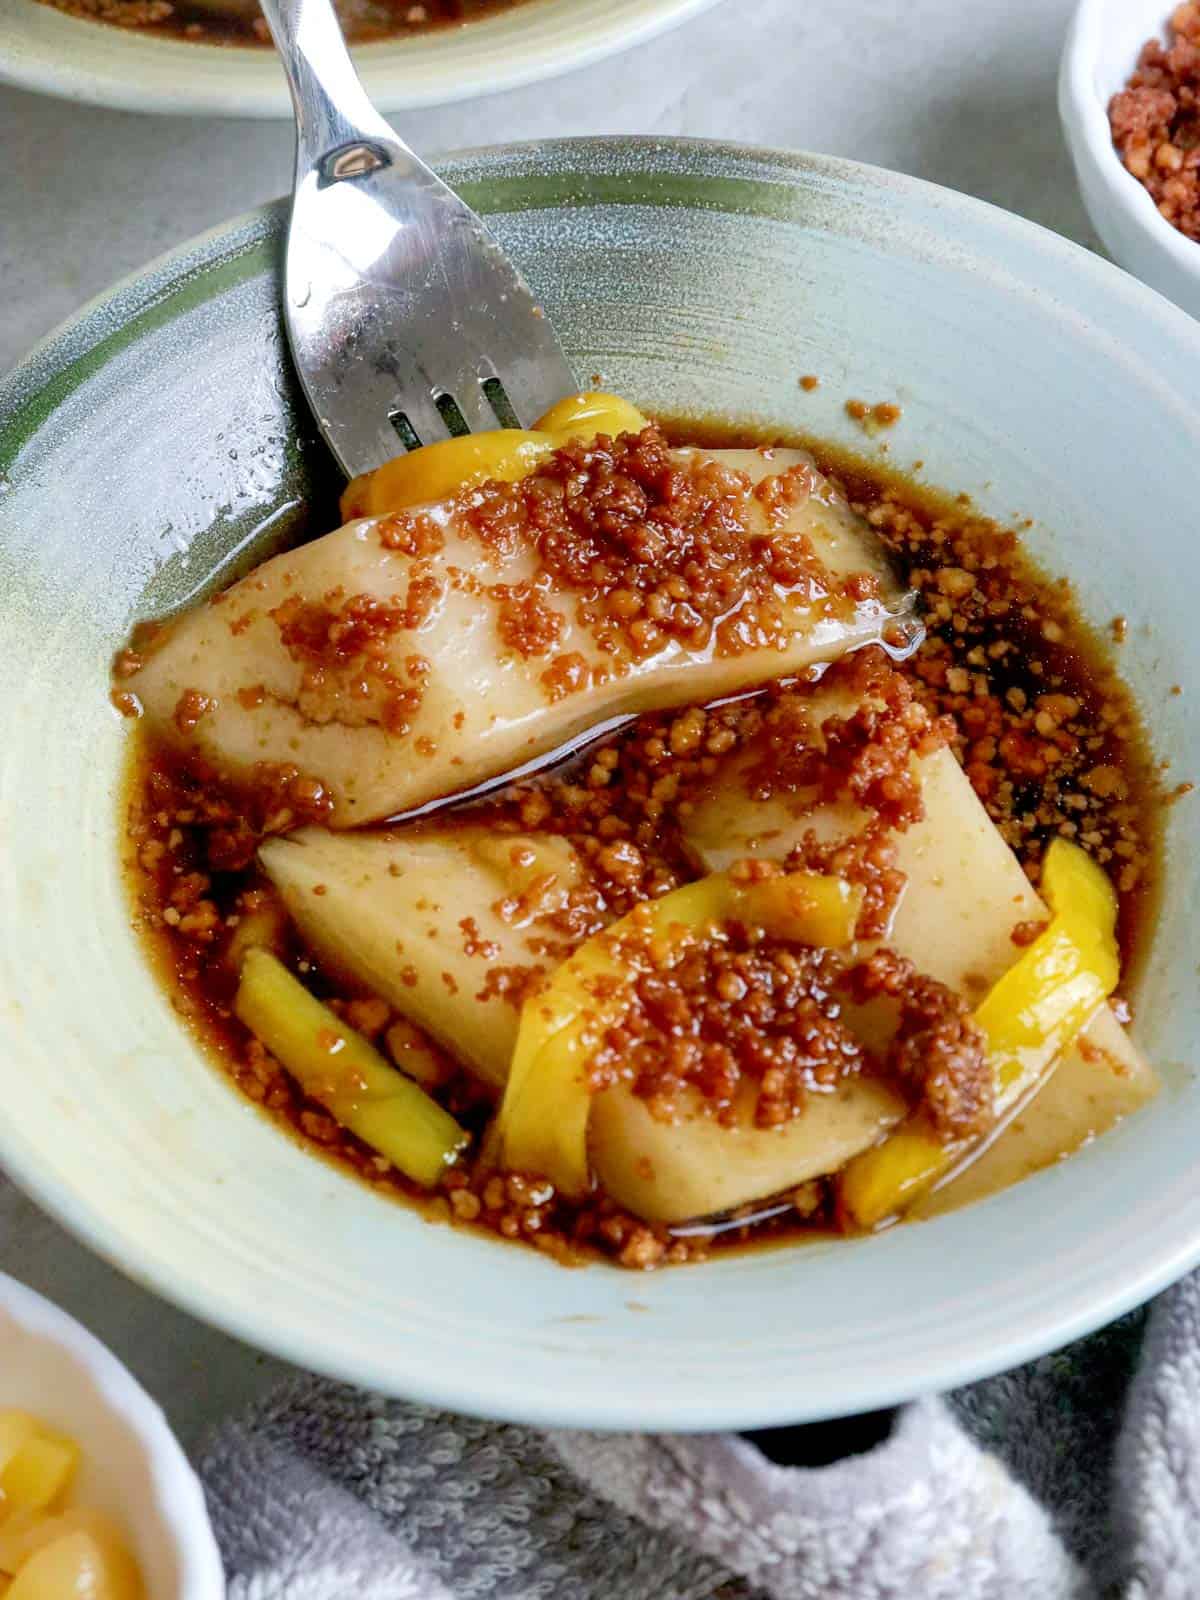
x=873, y=418
x=1155, y=121
x=718, y=1012
x=126, y=702
x=867, y=859
x=525, y=1208
x=190, y=708
x=411, y=534
x=654, y=551
x=938, y=1051
x=343, y=642
x=527, y=623
x=865, y=757
x=128, y=662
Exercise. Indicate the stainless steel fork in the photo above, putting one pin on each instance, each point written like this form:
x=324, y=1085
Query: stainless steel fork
x=407, y=321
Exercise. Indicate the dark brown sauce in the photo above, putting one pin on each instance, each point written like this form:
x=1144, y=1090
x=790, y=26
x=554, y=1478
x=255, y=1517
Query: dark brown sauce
x=1073, y=660
x=239, y=23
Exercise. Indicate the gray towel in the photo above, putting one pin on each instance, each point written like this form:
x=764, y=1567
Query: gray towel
x=1074, y=1478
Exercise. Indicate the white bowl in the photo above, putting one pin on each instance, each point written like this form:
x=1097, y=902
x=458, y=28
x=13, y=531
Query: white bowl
x=160, y=435
x=1100, y=53
x=41, y=48
x=132, y=1466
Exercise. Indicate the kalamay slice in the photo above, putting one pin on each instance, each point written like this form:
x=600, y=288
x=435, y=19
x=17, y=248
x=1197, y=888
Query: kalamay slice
x=406, y=657
x=440, y=923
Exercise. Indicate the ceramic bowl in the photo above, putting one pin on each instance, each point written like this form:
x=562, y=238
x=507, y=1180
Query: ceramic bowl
x=1102, y=48
x=132, y=1466
x=41, y=48
x=158, y=442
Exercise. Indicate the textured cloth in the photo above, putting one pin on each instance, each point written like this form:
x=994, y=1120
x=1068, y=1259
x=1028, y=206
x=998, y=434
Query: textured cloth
x=1074, y=1478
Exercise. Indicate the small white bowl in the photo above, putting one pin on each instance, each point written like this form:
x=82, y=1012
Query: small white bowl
x=133, y=1468
x=1101, y=51
x=45, y=49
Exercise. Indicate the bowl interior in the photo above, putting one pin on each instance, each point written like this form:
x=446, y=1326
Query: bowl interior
x=159, y=441
x=45, y=49
x=1123, y=26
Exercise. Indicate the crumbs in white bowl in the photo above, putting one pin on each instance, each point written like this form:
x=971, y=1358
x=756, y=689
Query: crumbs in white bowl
x=1127, y=100
x=1155, y=120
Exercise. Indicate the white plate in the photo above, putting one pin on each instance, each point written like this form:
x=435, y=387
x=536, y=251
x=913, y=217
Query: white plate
x=41, y=48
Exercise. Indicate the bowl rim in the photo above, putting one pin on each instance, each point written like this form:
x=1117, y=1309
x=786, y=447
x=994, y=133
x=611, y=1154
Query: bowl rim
x=179, y=1496
x=1077, y=1310
x=393, y=83
x=1085, y=121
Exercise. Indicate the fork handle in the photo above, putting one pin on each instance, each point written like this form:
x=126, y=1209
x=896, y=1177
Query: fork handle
x=331, y=105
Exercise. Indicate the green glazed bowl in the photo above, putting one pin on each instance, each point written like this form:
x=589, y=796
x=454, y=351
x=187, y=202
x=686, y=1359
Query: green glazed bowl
x=158, y=443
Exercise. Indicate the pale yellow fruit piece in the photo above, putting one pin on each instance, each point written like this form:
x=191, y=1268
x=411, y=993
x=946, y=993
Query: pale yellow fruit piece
x=24, y=1533
x=16, y=1429
x=20, y=1535
x=503, y=455
x=445, y=468
x=78, y=1566
x=40, y=1472
x=479, y=708
x=344, y=1072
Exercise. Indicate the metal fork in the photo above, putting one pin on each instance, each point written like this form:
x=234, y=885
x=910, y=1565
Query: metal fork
x=407, y=321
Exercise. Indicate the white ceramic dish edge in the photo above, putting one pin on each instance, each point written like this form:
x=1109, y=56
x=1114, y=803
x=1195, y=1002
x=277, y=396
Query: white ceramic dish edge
x=117, y=1423
x=98, y=64
x=1100, y=52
